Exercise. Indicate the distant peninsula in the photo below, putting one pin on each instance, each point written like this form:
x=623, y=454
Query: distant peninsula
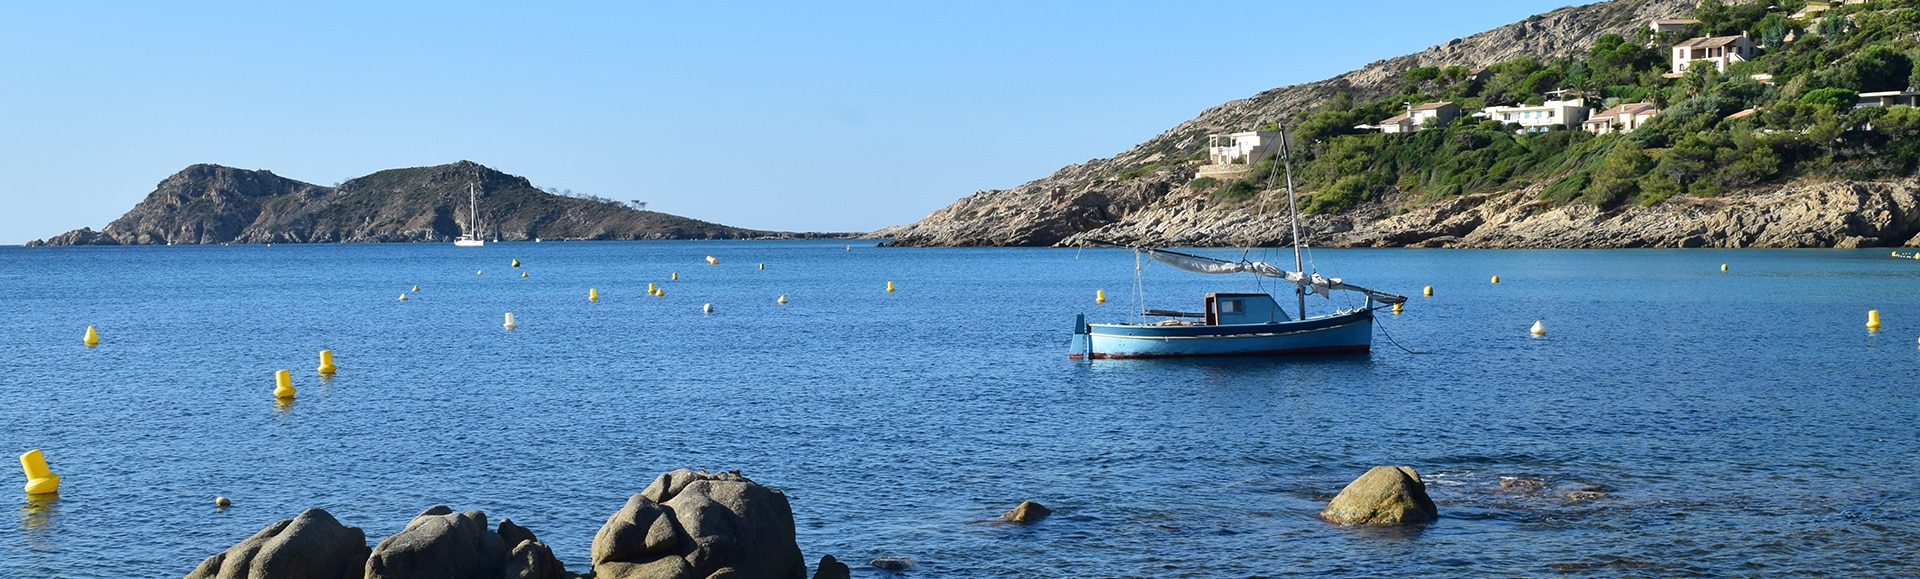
x=210, y=204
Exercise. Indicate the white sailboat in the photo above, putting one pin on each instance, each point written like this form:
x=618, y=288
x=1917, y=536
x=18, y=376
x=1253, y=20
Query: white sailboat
x=470, y=235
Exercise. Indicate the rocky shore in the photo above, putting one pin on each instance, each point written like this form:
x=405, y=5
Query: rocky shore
x=1801, y=214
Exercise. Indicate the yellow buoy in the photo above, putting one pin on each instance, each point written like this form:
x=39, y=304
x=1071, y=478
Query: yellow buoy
x=1873, y=319
x=1539, y=329
x=711, y=260
x=326, y=362
x=674, y=277
x=660, y=293
x=1723, y=267
x=93, y=337
x=516, y=263
x=1396, y=308
x=782, y=300
x=889, y=286
x=523, y=274
x=403, y=297
x=1099, y=296
x=40, y=479
x=651, y=287
x=593, y=295
x=222, y=502
x=1427, y=292
x=509, y=325
x=416, y=288
x=283, y=384
x=1496, y=279
x=763, y=266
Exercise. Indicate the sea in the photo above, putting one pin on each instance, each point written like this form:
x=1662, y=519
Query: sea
x=1676, y=419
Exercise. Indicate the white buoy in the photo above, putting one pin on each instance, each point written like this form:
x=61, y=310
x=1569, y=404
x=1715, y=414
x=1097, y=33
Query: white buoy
x=403, y=297
x=1539, y=329
x=706, y=309
x=510, y=325
x=782, y=300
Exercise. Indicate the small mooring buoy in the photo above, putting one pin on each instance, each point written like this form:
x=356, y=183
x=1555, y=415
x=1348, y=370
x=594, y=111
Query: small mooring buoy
x=763, y=266
x=1396, y=307
x=1539, y=329
x=674, y=277
x=1099, y=296
x=93, y=337
x=706, y=308
x=326, y=363
x=1496, y=279
x=1723, y=267
x=1873, y=319
x=660, y=293
x=222, y=502
x=479, y=272
x=283, y=384
x=516, y=263
x=889, y=287
x=416, y=289
x=782, y=300
x=40, y=479
x=593, y=295
x=1428, y=291
x=510, y=324
x=403, y=297
x=523, y=274
x=711, y=260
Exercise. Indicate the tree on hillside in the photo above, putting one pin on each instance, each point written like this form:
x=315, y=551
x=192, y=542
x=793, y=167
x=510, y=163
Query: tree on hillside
x=1876, y=68
x=1619, y=175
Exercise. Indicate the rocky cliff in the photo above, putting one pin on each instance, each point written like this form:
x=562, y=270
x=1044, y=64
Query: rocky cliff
x=215, y=204
x=1090, y=200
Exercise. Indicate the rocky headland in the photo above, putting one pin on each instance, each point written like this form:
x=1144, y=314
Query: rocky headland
x=1112, y=200
x=206, y=204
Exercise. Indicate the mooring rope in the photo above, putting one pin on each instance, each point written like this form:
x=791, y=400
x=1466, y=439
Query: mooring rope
x=1396, y=343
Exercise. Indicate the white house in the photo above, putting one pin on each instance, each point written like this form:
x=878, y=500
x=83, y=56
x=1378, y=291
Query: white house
x=1235, y=154
x=1661, y=25
x=1721, y=50
x=1888, y=98
x=1541, y=117
x=1624, y=118
x=1416, y=117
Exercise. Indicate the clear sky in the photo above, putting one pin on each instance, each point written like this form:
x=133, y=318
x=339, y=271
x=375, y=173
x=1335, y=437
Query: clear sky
x=815, y=116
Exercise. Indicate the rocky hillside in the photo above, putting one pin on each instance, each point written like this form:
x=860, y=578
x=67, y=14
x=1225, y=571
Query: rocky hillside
x=1089, y=196
x=215, y=204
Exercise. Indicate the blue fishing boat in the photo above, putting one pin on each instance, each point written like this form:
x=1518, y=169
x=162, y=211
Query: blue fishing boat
x=1239, y=324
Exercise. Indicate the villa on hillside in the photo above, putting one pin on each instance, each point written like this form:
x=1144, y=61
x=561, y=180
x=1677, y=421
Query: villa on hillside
x=1416, y=117
x=1234, y=155
x=1720, y=50
x=1541, y=117
x=1888, y=98
x=1624, y=118
x=1663, y=25
x=1815, y=7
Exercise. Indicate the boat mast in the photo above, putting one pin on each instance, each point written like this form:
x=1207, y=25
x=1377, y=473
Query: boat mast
x=1286, y=157
x=473, y=213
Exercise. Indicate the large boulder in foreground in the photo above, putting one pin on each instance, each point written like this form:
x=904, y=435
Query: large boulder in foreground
x=1386, y=495
x=310, y=546
x=696, y=525
x=439, y=543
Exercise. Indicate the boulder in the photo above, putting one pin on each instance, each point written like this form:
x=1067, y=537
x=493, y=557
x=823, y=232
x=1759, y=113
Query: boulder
x=532, y=559
x=831, y=568
x=696, y=524
x=439, y=543
x=1026, y=512
x=512, y=534
x=310, y=546
x=1385, y=495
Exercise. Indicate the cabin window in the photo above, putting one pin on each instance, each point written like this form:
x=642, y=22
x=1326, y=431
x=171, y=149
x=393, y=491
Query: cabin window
x=1229, y=306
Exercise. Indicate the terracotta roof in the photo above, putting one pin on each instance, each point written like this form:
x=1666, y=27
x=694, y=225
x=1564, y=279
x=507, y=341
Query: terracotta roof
x=1395, y=118
x=1743, y=114
x=1432, y=106
x=1681, y=21
x=1708, y=42
x=1627, y=109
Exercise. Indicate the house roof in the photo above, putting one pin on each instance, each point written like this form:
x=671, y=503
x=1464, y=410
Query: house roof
x=1743, y=114
x=1433, y=106
x=1709, y=42
x=1628, y=109
x=1395, y=118
x=1675, y=21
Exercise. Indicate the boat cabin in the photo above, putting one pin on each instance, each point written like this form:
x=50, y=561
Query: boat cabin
x=1242, y=309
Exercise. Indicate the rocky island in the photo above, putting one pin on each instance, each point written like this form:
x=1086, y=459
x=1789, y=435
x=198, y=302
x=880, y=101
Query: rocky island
x=1673, y=123
x=205, y=204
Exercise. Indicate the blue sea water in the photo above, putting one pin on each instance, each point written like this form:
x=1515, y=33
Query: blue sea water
x=1676, y=420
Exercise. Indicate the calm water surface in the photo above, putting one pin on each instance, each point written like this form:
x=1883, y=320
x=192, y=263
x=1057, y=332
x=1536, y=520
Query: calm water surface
x=1737, y=423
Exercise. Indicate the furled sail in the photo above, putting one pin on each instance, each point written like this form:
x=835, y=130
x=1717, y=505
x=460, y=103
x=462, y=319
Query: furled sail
x=1311, y=281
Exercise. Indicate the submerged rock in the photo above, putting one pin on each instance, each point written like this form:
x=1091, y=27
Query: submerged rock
x=696, y=524
x=1026, y=512
x=310, y=546
x=1385, y=495
x=890, y=563
x=831, y=568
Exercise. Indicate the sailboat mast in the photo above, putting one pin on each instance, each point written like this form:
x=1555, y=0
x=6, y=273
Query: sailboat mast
x=1293, y=205
x=473, y=211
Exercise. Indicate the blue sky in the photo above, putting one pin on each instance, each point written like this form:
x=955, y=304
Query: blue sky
x=832, y=116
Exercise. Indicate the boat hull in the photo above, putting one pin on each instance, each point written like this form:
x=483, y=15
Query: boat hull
x=1345, y=333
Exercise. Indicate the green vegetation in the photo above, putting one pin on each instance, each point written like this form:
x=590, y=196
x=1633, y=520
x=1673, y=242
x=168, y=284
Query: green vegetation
x=1805, y=123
